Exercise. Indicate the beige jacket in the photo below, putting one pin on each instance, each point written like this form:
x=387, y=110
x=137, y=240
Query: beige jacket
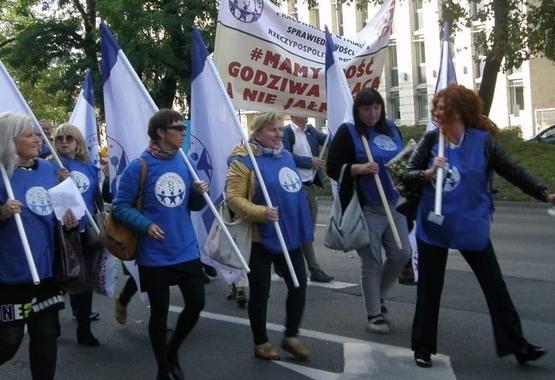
x=240, y=189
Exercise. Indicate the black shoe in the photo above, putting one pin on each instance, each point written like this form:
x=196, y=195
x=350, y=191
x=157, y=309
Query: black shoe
x=206, y=278
x=320, y=276
x=532, y=353
x=423, y=359
x=232, y=295
x=86, y=338
x=176, y=373
x=241, y=298
x=211, y=271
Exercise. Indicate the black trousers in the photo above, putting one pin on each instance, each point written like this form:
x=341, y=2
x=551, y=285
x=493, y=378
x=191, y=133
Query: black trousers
x=260, y=282
x=432, y=261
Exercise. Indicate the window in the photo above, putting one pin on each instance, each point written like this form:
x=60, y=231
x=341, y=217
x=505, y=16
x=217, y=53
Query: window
x=516, y=95
x=292, y=8
x=394, y=105
x=420, y=61
x=339, y=17
x=418, y=15
x=477, y=10
x=363, y=13
x=314, y=16
x=422, y=103
x=479, y=67
x=393, y=64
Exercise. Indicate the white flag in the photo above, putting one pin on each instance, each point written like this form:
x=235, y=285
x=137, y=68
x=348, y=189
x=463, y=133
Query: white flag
x=84, y=118
x=216, y=131
x=11, y=99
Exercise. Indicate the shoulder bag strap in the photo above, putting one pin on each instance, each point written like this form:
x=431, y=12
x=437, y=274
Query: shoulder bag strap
x=139, y=201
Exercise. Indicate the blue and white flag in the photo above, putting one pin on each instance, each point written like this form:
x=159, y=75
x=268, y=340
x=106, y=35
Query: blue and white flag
x=216, y=131
x=127, y=105
x=447, y=73
x=11, y=99
x=338, y=94
x=84, y=118
x=128, y=108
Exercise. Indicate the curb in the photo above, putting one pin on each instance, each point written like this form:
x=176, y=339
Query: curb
x=533, y=203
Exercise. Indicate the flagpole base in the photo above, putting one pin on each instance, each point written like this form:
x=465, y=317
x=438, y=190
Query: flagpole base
x=435, y=218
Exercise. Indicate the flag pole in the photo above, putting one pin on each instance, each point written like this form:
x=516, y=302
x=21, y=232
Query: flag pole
x=321, y=156
x=382, y=196
x=21, y=230
x=216, y=214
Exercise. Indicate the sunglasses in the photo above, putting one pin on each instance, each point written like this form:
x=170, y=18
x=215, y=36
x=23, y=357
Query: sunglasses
x=179, y=128
x=69, y=138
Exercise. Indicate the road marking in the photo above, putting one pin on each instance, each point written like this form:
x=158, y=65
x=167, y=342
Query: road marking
x=329, y=285
x=363, y=359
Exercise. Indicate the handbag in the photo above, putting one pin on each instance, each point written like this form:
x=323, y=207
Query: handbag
x=119, y=239
x=93, y=238
x=104, y=273
x=347, y=230
x=70, y=271
x=396, y=168
x=217, y=246
x=408, y=207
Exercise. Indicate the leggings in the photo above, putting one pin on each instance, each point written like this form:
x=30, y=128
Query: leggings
x=43, y=346
x=192, y=290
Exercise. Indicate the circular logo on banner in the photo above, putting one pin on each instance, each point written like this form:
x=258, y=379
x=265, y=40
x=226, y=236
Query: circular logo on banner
x=38, y=200
x=385, y=143
x=290, y=180
x=246, y=11
x=81, y=181
x=170, y=189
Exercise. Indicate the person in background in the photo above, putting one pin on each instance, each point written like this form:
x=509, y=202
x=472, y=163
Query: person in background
x=44, y=150
x=22, y=302
x=72, y=150
x=385, y=142
x=302, y=140
x=472, y=154
x=290, y=209
x=168, y=251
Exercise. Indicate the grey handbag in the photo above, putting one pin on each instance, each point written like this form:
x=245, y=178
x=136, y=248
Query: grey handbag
x=346, y=231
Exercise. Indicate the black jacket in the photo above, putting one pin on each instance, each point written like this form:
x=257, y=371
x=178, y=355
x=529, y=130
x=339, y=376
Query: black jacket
x=497, y=160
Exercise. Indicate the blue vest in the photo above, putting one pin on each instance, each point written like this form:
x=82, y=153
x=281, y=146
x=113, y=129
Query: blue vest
x=38, y=219
x=85, y=176
x=467, y=204
x=168, y=186
x=383, y=149
x=287, y=193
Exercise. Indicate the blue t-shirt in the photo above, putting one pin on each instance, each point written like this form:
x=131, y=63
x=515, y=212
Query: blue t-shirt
x=168, y=187
x=30, y=188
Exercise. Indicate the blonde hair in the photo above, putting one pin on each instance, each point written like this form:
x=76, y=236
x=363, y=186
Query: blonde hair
x=82, y=152
x=265, y=120
x=12, y=125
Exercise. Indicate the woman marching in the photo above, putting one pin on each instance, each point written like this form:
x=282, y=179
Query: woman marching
x=168, y=250
x=290, y=209
x=28, y=304
x=472, y=154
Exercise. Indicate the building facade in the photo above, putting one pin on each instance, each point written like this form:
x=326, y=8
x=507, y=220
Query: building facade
x=523, y=97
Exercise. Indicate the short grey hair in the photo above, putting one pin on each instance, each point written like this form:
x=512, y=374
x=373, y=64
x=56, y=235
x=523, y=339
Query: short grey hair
x=12, y=125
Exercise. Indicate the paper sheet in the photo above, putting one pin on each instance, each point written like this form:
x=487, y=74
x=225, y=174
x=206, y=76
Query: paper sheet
x=66, y=196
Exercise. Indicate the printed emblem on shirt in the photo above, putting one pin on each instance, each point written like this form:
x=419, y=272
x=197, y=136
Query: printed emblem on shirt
x=170, y=189
x=451, y=179
x=290, y=180
x=38, y=200
x=81, y=181
x=385, y=143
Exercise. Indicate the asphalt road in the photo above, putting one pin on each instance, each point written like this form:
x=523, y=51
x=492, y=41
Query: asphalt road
x=220, y=347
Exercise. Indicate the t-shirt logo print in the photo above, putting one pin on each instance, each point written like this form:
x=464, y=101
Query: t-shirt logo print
x=81, y=181
x=385, y=143
x=38, y=200
x=451, y=178
x=170, y=189
x=290, y=180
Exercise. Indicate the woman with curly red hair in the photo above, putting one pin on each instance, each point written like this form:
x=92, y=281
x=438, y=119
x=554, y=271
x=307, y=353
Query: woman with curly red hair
x=471, y=156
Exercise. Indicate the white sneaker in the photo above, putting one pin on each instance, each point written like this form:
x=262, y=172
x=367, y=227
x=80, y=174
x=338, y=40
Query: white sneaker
x=377, y=325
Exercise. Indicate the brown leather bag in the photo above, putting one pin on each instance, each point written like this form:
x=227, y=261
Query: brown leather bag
x=119, y=239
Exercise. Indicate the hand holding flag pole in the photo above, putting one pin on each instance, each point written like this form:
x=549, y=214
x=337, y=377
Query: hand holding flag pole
x=216, y=214
x=21, y=230
x=321, y=156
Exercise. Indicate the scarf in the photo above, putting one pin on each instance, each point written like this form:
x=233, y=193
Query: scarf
x=158, y=152
x=269, y=152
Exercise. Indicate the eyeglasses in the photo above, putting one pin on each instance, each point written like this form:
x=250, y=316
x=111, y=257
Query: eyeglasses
x=179, y=128
x=69, y=139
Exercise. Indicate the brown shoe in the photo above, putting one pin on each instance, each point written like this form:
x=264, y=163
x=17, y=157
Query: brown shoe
x=120, y=312
x=266, y=351
x=294, y=346
x=168, y=327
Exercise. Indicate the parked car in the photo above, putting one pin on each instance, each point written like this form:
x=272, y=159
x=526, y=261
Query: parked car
x=546, y=135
